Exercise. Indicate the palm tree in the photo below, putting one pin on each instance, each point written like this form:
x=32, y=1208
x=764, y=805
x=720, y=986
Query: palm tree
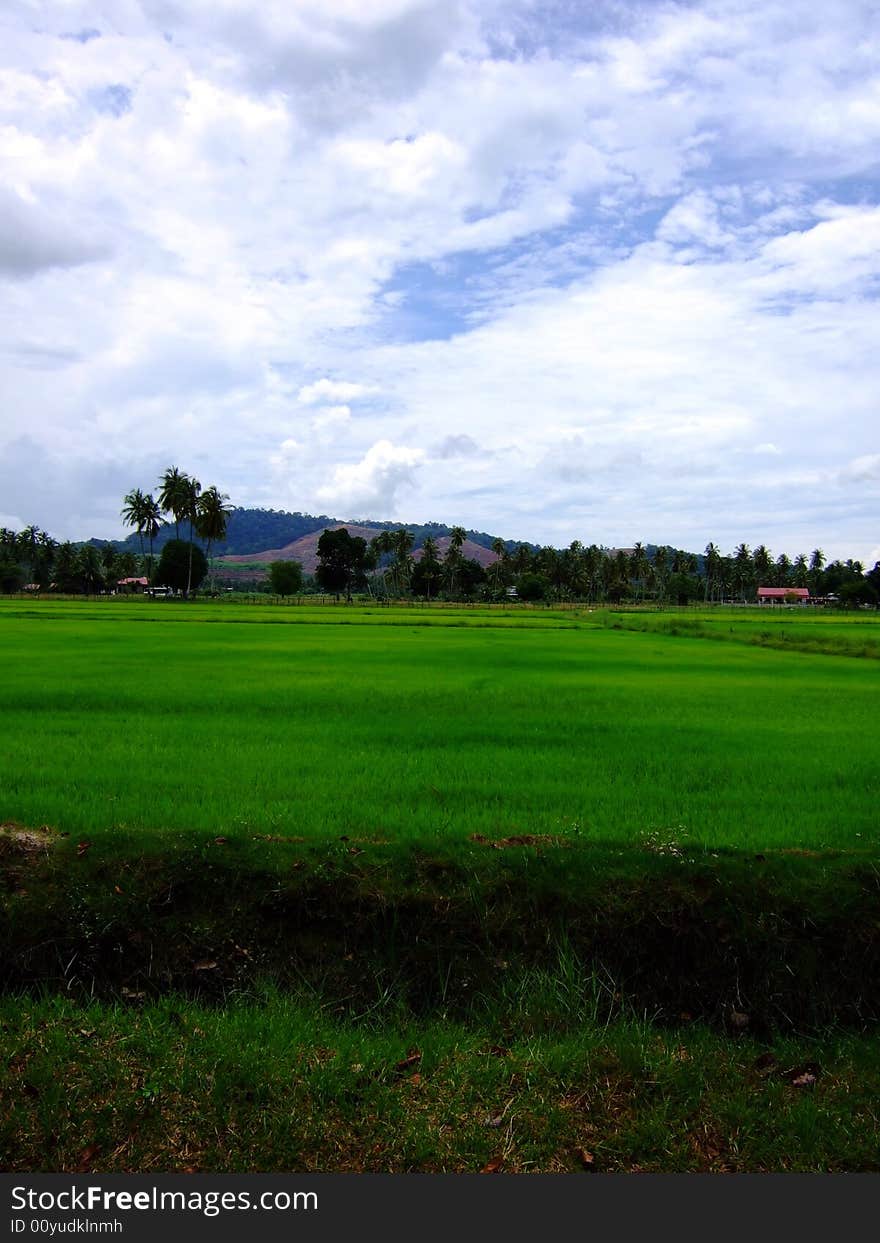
x=109, y=564
x=133, y=513
x=498, y=569
x=742, y=560
x=453, y=559
x=762, y=562
x=661, y=571
x=190, y=490
x=783, y=570
x=173, y=495
x=382, y=545
x=212, y=513
x=522, y=559
x=430, y=570
x=638, y=568
x=817, y=563
x=89, y=565
x=402, y=542
x=713, y=565
x=152, y=523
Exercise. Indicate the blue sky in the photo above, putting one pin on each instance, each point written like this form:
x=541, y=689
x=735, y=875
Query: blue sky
x=605, y=272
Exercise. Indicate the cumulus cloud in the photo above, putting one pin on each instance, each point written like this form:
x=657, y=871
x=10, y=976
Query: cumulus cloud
x=455, y=447
x=372, y=484
x=331, y=390
x=865, y=469
x=33, y=239
x=330, y=419
x=591, y=264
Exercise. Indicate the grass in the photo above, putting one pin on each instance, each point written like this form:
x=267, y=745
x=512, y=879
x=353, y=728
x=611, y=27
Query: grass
x=281, y=1087
x=468, y=723
x=793, y=630
x=436, y=889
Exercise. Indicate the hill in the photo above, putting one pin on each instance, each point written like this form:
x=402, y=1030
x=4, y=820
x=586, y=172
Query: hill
x=251, y=533
x=305, y=549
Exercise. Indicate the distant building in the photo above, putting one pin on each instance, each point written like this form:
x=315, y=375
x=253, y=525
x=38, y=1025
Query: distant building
x=783, y=595
x=132, y=584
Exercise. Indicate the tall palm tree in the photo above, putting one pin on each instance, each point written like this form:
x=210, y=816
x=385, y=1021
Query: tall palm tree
x=430, y=568
x=594, y=560
x=762, y=562
x=382, y=545
x=134, y=514
x=661, y=571
x=190, y=491
x=498, y=569
x=152, y=523
x=522, y=559
x=403, y=563
x=212, y=514
x=638, y=568
x=453, y=559
x=88, y=563
x=742, y=560
x=783, y=570
x=712, y=563
x=817, y=563
x=173, y=495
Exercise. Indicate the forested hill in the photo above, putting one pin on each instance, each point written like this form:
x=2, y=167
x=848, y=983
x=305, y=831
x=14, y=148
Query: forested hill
x=256, y=530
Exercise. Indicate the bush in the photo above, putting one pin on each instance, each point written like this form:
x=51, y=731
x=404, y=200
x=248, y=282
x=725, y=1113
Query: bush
x=532, y=587
x=173, y=568
x=285, y=578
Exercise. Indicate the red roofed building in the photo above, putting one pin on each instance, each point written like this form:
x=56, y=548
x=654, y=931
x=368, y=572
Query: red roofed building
x=133, y=584
x=783, y=595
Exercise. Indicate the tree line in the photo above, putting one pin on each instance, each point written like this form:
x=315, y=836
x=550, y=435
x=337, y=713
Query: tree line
x=32, y=558
x=387, y=566
x=182, y=500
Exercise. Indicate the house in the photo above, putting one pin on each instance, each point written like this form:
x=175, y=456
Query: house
x=132, y=584
x=783, y=595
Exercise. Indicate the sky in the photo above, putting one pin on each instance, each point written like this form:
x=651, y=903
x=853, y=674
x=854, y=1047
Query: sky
x=556, y=270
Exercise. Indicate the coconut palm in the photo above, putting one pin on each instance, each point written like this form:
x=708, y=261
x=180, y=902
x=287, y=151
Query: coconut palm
x=134, y=513
x=212, y=514
x=498, y=569
x=88, y=564
x=763, y=562
x=453, y=559
x=742, y=560
x=661, y=571
x=174, y=495
x=402, y=543
x=190, y=490
x=429, y=569
x=382, y=545
x=638, y=568
x=783, y=570
x=817, y=563
x=152, y=523
x=712, y=564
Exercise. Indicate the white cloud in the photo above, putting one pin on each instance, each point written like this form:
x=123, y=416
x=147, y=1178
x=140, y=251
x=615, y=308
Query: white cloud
x=865, y=469
x=331, y=390
x=371, y=485
x=623, y=248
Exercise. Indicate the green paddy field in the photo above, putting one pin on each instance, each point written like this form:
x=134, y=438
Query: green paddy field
x=550, y=889
x=414, y=725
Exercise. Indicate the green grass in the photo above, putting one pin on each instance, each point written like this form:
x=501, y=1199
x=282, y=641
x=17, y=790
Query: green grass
x=431, y=888
x=280, y=1087
x=820, y=632
x=155, y=720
